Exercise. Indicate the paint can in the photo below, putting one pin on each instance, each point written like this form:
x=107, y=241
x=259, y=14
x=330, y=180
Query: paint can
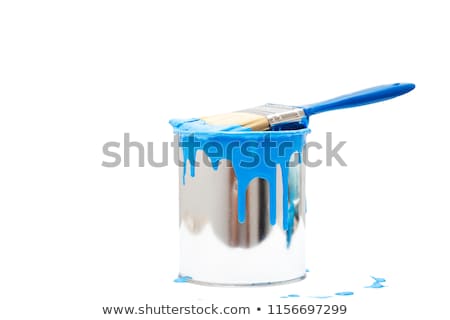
x=242, y=207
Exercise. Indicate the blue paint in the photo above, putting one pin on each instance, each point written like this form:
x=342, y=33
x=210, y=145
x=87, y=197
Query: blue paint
x=182, y=279
x=344, y=293
x=377, y=284
x=378, y=279
x=194, y=126
x=253, y=154
x=307, y=270
x=303, y=123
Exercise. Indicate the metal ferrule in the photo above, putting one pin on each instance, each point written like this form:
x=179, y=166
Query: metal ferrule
x=277, y=113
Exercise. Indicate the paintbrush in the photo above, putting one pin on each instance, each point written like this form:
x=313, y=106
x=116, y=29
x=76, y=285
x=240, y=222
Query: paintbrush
x=277, y=117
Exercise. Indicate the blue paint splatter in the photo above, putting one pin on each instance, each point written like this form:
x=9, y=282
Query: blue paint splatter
x=307, y=270
x=291, y=296
x=377, y=284
x=378, y=279
x=182, y=279
x=344, y=293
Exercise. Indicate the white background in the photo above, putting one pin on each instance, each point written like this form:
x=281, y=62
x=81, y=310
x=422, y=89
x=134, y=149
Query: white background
x=75, y=236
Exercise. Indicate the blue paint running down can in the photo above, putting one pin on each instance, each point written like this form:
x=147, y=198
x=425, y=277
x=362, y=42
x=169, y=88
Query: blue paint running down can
x=242, y=204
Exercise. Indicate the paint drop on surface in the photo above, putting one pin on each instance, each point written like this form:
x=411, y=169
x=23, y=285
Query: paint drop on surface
x=293, y=296
x=307, y=270
x=182, y=279
x=344, y=293
x=378, y=279
x=320, y=297
x=377, y=284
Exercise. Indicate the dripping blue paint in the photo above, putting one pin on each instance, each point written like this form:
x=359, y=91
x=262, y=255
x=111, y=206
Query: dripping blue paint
x=195, y=134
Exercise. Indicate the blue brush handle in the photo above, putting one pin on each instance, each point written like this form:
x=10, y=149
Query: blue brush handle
x=360, y=98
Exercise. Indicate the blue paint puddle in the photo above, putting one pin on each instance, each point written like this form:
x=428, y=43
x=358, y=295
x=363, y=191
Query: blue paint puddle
x=344, y=293
x=182, y=279
x=378, y=279
x=290, y=296
x=377, y=284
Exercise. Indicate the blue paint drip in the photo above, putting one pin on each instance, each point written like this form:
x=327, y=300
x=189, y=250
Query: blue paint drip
x=195, y=134
x=307, y=270
x=182, y=279
x=344, y=293
x=293, y=295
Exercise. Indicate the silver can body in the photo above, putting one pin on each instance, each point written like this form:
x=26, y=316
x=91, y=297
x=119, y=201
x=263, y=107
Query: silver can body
x=218, y=249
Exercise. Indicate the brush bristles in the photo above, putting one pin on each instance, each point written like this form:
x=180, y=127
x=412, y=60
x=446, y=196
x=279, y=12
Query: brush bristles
x=249, y=120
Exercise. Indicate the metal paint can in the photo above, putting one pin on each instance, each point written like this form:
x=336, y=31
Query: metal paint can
x=217, y=246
